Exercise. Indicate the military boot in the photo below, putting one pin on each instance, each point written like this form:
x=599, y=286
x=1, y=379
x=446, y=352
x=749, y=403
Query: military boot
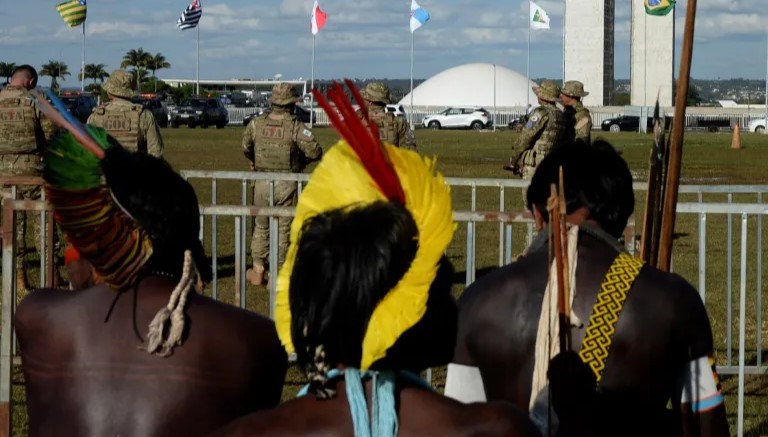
x=255, y=275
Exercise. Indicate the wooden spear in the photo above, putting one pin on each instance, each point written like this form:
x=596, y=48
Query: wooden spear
x=676, y=146
x=653, y=200
x=565, y=323
x=553, y=208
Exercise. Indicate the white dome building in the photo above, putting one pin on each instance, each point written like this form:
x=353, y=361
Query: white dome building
x=473, y=85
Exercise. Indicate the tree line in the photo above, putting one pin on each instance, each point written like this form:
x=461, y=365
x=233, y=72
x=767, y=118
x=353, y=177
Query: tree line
x=139, y=61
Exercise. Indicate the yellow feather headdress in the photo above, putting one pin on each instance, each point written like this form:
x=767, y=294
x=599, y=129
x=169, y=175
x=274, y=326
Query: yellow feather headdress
x=344, y=179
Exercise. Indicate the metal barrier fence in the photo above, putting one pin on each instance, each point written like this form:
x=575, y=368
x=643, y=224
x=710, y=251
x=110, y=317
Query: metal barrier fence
x=511, y=226
x=503, y=116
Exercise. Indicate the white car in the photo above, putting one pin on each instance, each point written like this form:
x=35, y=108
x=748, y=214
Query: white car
x=463, y=117
x=758, y=125
x=398, y=110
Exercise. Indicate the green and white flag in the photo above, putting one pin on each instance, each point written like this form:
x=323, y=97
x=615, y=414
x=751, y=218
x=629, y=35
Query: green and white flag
x=539, y=17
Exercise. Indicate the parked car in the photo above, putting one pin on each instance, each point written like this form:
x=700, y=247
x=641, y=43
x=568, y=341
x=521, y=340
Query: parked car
x=200, y=111
x=758, y=125
x=517, y=123
x=464, y=117
x=631, y=123
x=154, y=105
x=79, y=105
x=300, y=112
x=398, y=110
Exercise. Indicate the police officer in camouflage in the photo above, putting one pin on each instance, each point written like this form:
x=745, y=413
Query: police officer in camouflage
x=392, y=129
x=545, y=128
x=130, y=124
x=571, y=95
x=276, y=142
x=24, y=133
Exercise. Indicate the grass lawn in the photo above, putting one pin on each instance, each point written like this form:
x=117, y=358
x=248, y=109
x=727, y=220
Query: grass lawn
x=707, y=159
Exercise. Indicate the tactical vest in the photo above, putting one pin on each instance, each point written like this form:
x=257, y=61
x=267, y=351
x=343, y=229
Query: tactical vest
x=583, y=123
x=17, y=126
x=552, y=134
x=385, y=122
x=274, y=148
x=120, y=121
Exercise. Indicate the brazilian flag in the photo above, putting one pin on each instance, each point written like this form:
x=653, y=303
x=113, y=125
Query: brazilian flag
x=659, y=7
x=73, y=12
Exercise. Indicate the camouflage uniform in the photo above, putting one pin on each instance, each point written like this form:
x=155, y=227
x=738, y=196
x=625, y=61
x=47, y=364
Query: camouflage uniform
x=582, y=117
x=24, y=132
x=545, y=129
x=392, y=129
x=130, y=124
x=277, y=142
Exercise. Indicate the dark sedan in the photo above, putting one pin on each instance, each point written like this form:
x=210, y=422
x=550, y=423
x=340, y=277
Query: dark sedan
x=630, y=123
x=302, y=114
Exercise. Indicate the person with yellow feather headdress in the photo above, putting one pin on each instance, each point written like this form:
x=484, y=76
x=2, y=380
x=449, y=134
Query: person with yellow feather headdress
x=364, y=297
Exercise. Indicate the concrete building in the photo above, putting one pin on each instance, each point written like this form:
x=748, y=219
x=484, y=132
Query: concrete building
x=652, y=57
x=589, y=47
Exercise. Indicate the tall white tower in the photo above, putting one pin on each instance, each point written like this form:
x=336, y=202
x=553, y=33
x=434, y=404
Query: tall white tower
x=651, y=57
x=589, y=28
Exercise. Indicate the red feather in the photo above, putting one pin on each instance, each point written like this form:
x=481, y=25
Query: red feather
x=363, y=137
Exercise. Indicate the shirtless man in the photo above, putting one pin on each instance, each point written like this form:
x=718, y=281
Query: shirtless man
x=364, y=300
x=663, y=340
x=86, y=373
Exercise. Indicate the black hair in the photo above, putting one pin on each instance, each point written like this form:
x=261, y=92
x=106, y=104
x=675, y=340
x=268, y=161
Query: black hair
x=347, y=261
x=595, y=177
x=29, y=70
x=432, y=341
x=162, y=202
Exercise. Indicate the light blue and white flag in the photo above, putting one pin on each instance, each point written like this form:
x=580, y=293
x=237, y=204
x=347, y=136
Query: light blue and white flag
x=419, y=16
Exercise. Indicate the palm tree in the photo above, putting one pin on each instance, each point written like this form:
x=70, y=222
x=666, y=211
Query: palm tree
x=157, y=62
x=139, y=60
x=55, y=69
x=6, y=70
x=95, y=72
x=139, y=76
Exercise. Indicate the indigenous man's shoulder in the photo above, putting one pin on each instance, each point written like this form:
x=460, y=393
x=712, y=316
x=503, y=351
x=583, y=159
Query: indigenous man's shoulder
x=664, y=285
x=497, y=418
x=281, y=421
x=508, y=281
x=38, y=308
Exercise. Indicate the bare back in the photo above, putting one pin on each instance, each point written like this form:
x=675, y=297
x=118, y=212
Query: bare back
x=420, y=413
x=86, y=376
x=662, y=328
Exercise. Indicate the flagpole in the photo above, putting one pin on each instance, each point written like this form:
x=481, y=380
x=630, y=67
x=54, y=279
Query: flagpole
x=312, y=84
x=82, y=63
x=564, y=17
x=411, y=110
x=197, y=68
x=528, y=64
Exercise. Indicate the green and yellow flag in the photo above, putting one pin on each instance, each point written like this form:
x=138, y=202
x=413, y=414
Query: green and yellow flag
x=73, y=12
x=659, y=7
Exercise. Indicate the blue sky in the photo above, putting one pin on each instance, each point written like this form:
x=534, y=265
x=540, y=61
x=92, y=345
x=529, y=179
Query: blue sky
x=363, y=38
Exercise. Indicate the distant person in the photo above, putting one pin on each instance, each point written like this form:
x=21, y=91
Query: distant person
x=392, y=129
x=129, y=123
x=88, y=369
x=276, y=142
x=543, y=130
x=571, y=96
x=24, y=134
x=641, y=339
x=364, y=300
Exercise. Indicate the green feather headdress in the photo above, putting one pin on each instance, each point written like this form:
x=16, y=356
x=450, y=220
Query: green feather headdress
x=94, y=223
